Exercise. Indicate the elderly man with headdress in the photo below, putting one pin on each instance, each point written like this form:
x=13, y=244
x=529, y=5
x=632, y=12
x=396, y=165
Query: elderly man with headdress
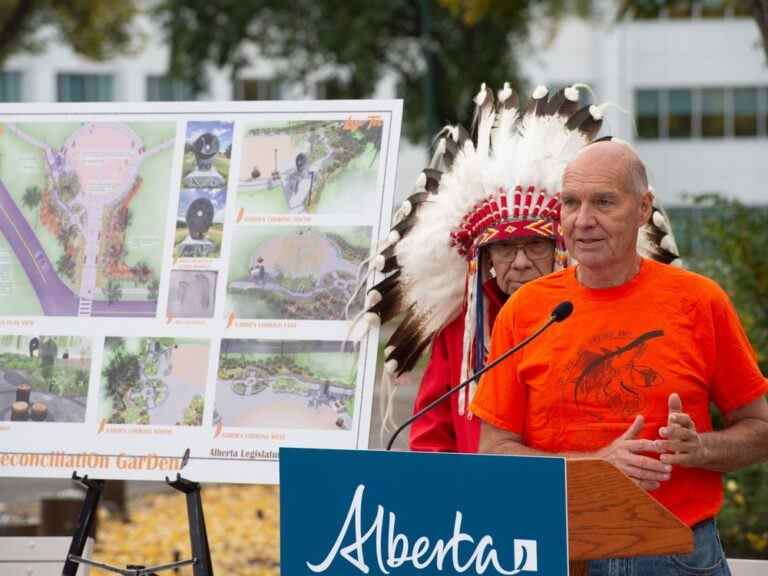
x=485, y=219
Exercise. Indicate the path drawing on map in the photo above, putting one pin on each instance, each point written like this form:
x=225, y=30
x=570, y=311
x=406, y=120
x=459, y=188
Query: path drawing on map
x=286, y=384
x=310, y=167
x=100, y=207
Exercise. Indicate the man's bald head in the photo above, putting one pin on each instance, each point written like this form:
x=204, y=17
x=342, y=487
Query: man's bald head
x=611, y=157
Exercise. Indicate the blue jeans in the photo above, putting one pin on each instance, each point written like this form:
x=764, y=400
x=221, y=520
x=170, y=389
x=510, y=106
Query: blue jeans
x=707, y=559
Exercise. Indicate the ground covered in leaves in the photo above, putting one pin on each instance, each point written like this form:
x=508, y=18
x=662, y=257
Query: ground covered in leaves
x=243, y=524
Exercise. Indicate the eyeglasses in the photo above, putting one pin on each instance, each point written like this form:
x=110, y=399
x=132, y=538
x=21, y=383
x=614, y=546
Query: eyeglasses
x=536, y=249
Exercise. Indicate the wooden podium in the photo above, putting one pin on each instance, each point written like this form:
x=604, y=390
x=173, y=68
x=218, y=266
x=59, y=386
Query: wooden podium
x=609, y=516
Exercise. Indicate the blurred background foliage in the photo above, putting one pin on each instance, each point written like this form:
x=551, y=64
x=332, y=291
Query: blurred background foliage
x=728, y=241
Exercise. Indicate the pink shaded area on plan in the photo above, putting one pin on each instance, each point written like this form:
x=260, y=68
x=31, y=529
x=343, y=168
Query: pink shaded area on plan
x=105, y=157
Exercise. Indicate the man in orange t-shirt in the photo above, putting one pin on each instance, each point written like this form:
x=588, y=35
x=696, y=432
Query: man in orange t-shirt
x=629, y=377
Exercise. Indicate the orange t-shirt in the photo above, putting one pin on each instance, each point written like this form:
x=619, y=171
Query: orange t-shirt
x=621, y=353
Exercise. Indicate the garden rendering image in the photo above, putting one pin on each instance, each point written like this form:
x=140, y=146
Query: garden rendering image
x=82, y=216
x=286, y=384
x=44, y=378
x=323, y=167
x=154, y=381
x=295, y=272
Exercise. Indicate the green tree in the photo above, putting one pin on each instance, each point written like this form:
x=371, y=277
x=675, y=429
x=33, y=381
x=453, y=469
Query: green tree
x=142, y=272
x=69, y=186
x=153, y=289
x=737, y=236
x=438, y=56
x=32, y=197
x=114, y=291
x=97, y=29
x=438, y=50
x=193, y=415
x=65, y=266
x=47, y=354
x=121, y=373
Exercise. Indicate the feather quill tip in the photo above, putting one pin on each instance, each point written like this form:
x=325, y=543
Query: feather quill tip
x=393, y=237
x=480, y=97
x=596, y=112
x=660, y=221
x=372, y=319
x=390, y=366
x=505, y=92
x=572, y=93
x=540, y=92
x=421, y=182
x=668, y=244
x=388, y=350
x=379, y=262
x=406, y=208
x=372, y=298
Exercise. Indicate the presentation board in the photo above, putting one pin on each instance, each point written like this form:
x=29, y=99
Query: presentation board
x=182, y=278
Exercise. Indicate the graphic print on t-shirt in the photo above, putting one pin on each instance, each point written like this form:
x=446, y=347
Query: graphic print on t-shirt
x=611, y=372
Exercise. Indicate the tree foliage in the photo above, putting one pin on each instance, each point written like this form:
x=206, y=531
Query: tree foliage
x=97, y=29
x=438, y=52
x=113, y=291
x=32, y=197
x=738, y=235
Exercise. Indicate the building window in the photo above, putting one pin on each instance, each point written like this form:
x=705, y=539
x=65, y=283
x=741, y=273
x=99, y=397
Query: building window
x=648, y=113
x=10, y=86
x=745, y=112
x=702, y=112
x=680, y=113
x=167, y=89
x=258, y=89
x=85, y=87
x=713, y=113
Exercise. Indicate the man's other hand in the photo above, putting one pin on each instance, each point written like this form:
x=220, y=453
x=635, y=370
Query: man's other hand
x=681, y=444
x=624, y=453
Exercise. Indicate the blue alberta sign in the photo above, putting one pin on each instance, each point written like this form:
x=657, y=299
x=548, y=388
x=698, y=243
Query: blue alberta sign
x=353, y=512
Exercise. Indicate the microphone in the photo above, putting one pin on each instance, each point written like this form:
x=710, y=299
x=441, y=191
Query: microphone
x=558, y=314
x=562, y=311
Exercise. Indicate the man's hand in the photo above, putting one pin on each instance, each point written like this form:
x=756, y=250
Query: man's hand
x=648, y=473
x=682, y=445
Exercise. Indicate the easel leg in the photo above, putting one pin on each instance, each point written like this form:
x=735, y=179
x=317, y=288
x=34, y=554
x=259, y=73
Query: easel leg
x=84, y=523
x=197, y=533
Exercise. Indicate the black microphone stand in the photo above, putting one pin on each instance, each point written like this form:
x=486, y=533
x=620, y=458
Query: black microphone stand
x=554, y=318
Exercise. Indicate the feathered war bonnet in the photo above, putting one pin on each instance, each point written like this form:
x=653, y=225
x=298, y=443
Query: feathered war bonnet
x=502, y=181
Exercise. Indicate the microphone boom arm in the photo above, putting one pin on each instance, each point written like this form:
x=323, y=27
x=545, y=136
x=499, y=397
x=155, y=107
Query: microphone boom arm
x=475, y=376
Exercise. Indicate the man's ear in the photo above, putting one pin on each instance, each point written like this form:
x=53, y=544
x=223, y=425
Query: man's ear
x=646, y=207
